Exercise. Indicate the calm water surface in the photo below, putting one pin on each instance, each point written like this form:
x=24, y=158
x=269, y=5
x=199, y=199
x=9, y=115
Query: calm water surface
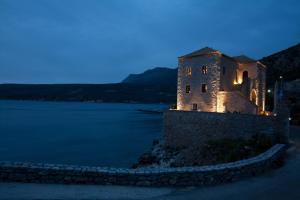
x=76, y=133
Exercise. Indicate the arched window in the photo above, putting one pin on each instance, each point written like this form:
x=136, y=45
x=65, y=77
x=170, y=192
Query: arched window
x=188, y=71
x=204, y=69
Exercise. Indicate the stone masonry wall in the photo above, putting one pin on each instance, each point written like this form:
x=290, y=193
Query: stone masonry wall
x=235, y=102
x=186, y=128
x=205, y=101
x=261, y=77
x=184, y=176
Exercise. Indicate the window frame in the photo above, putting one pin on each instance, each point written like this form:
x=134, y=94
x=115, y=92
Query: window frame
x=188, y=89
x=204, y=69
x=188, y=71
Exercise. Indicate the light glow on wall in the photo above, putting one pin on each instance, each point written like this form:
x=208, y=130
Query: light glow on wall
x=236, y=82
x=179, y=86
x=238, y=78
x=221, y=107
x=253, y=97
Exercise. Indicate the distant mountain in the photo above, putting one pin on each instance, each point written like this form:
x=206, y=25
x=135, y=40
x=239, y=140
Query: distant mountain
x=119, y=92
x=158, y=75
x=285, y=63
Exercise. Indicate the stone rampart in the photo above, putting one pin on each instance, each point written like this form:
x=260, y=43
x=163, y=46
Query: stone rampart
x=186, y=128
x=184, y=176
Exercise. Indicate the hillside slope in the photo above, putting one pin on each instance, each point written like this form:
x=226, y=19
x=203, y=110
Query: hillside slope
x=285, y=63
x=158, y=75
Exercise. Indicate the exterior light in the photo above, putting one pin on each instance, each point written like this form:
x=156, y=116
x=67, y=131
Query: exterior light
x=280, y=77
x=269, y=90
x=275, y=114
x=290, y=118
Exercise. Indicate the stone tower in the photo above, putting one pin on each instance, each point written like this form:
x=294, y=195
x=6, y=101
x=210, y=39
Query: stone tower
x=210, y=81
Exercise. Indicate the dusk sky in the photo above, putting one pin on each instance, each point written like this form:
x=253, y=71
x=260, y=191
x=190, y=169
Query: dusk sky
x=102, y=41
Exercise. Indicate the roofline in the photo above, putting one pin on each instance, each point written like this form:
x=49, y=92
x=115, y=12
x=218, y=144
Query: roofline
x=213, y=53
x=258, y=62
x=203, y=54
x=219, y=53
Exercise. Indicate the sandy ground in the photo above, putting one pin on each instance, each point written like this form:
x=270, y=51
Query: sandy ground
x=283, y=183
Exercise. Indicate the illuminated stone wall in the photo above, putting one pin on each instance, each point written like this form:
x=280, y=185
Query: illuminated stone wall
x=180, y=86
x=257, y=82
x=251, y=68
x=228, y=75
x=224, y=73
x=205, y=101
x=235, y=102
x=261, y=87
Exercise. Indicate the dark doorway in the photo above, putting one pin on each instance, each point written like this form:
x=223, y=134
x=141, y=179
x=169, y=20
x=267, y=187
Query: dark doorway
x=195, y=106
x=245, y=75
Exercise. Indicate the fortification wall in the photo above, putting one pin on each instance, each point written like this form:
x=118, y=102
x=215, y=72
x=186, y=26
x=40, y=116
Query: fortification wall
x=186, y=128
x=185, y=176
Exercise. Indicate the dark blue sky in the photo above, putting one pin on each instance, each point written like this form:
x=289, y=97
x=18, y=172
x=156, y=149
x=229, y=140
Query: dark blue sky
x=101, y=41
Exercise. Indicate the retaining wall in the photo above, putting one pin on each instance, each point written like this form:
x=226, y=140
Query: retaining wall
x=186, y=128
x=184, y=176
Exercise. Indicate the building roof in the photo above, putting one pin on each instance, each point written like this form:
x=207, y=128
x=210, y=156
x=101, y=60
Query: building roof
x=208, y=50
x=244, y=59
x=203, y=51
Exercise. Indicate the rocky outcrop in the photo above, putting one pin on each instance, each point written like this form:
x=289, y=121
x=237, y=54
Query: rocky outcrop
x=209, y=153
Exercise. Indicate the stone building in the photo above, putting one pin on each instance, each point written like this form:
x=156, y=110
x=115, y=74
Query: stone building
x=211, y=81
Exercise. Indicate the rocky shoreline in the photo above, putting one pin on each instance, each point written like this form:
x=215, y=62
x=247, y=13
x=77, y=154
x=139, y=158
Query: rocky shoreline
x=211, y=153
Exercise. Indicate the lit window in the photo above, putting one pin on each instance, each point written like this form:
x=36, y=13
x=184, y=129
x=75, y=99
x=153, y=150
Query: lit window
x=204, y=69
x=204, y=88
x=187, y=89
x=195, y=107
x=188, y=71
